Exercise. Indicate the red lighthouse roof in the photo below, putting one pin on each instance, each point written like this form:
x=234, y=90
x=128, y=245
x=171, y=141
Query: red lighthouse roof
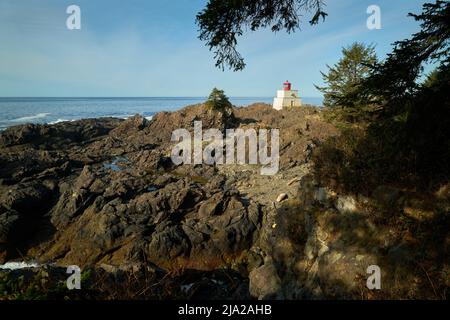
x=287, y=85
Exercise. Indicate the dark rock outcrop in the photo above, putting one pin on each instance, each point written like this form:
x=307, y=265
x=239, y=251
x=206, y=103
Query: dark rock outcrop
x=105, y=194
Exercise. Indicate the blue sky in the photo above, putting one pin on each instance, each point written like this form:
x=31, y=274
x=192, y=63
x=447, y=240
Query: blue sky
x=150, y=48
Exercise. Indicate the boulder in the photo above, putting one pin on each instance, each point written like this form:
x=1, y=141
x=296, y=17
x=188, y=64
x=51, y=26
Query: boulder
x=129, y=126
x=265, y=283
x=346, y=204
x=282, y=197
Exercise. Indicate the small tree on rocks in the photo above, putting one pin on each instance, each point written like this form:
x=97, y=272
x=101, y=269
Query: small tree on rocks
x=218, y=101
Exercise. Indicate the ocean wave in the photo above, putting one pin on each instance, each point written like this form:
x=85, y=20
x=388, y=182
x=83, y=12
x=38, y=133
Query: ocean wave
x=61, y=120
x=125, y=116
x=29, y=118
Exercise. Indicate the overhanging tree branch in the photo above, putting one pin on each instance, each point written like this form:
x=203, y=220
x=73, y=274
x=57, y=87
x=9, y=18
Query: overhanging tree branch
x=223, y=21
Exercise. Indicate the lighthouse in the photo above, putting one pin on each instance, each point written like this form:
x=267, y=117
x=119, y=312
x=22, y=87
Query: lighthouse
x=286, y=98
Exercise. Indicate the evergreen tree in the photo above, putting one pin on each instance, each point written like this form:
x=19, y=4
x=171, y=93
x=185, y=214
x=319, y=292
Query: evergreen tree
x=412, y=117
x=395, y=80
x=345, y=76
x=218, y=101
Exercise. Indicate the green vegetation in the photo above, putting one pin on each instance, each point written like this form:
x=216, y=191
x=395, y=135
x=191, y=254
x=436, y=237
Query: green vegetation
x=404, y=139
x=223, y=21
x=41, y=286
x=218, y=101
x=345, y=76
x=29, y=285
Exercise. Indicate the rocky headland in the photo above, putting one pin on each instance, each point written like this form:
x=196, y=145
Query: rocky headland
x=104, y=194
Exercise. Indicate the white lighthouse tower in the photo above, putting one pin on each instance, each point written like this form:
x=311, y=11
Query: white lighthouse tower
x=286, y=98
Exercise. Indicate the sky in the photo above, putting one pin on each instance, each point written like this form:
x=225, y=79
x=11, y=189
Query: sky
x=145, y=48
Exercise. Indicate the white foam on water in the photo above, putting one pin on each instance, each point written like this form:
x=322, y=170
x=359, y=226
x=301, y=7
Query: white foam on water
x=62, y=120
x=29, y=118
x=59, y=121
x=125, y=116
x=122, y=116
x=18, y=265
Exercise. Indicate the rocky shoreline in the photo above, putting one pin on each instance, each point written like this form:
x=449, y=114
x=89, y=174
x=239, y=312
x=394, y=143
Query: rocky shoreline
x=104, y=194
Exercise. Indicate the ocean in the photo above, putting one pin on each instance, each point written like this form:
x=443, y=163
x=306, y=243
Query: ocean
x=15, y=111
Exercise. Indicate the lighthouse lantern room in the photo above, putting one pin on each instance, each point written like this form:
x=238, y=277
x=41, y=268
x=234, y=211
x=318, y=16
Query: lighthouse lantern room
x=286, y=98
x=287, y=86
